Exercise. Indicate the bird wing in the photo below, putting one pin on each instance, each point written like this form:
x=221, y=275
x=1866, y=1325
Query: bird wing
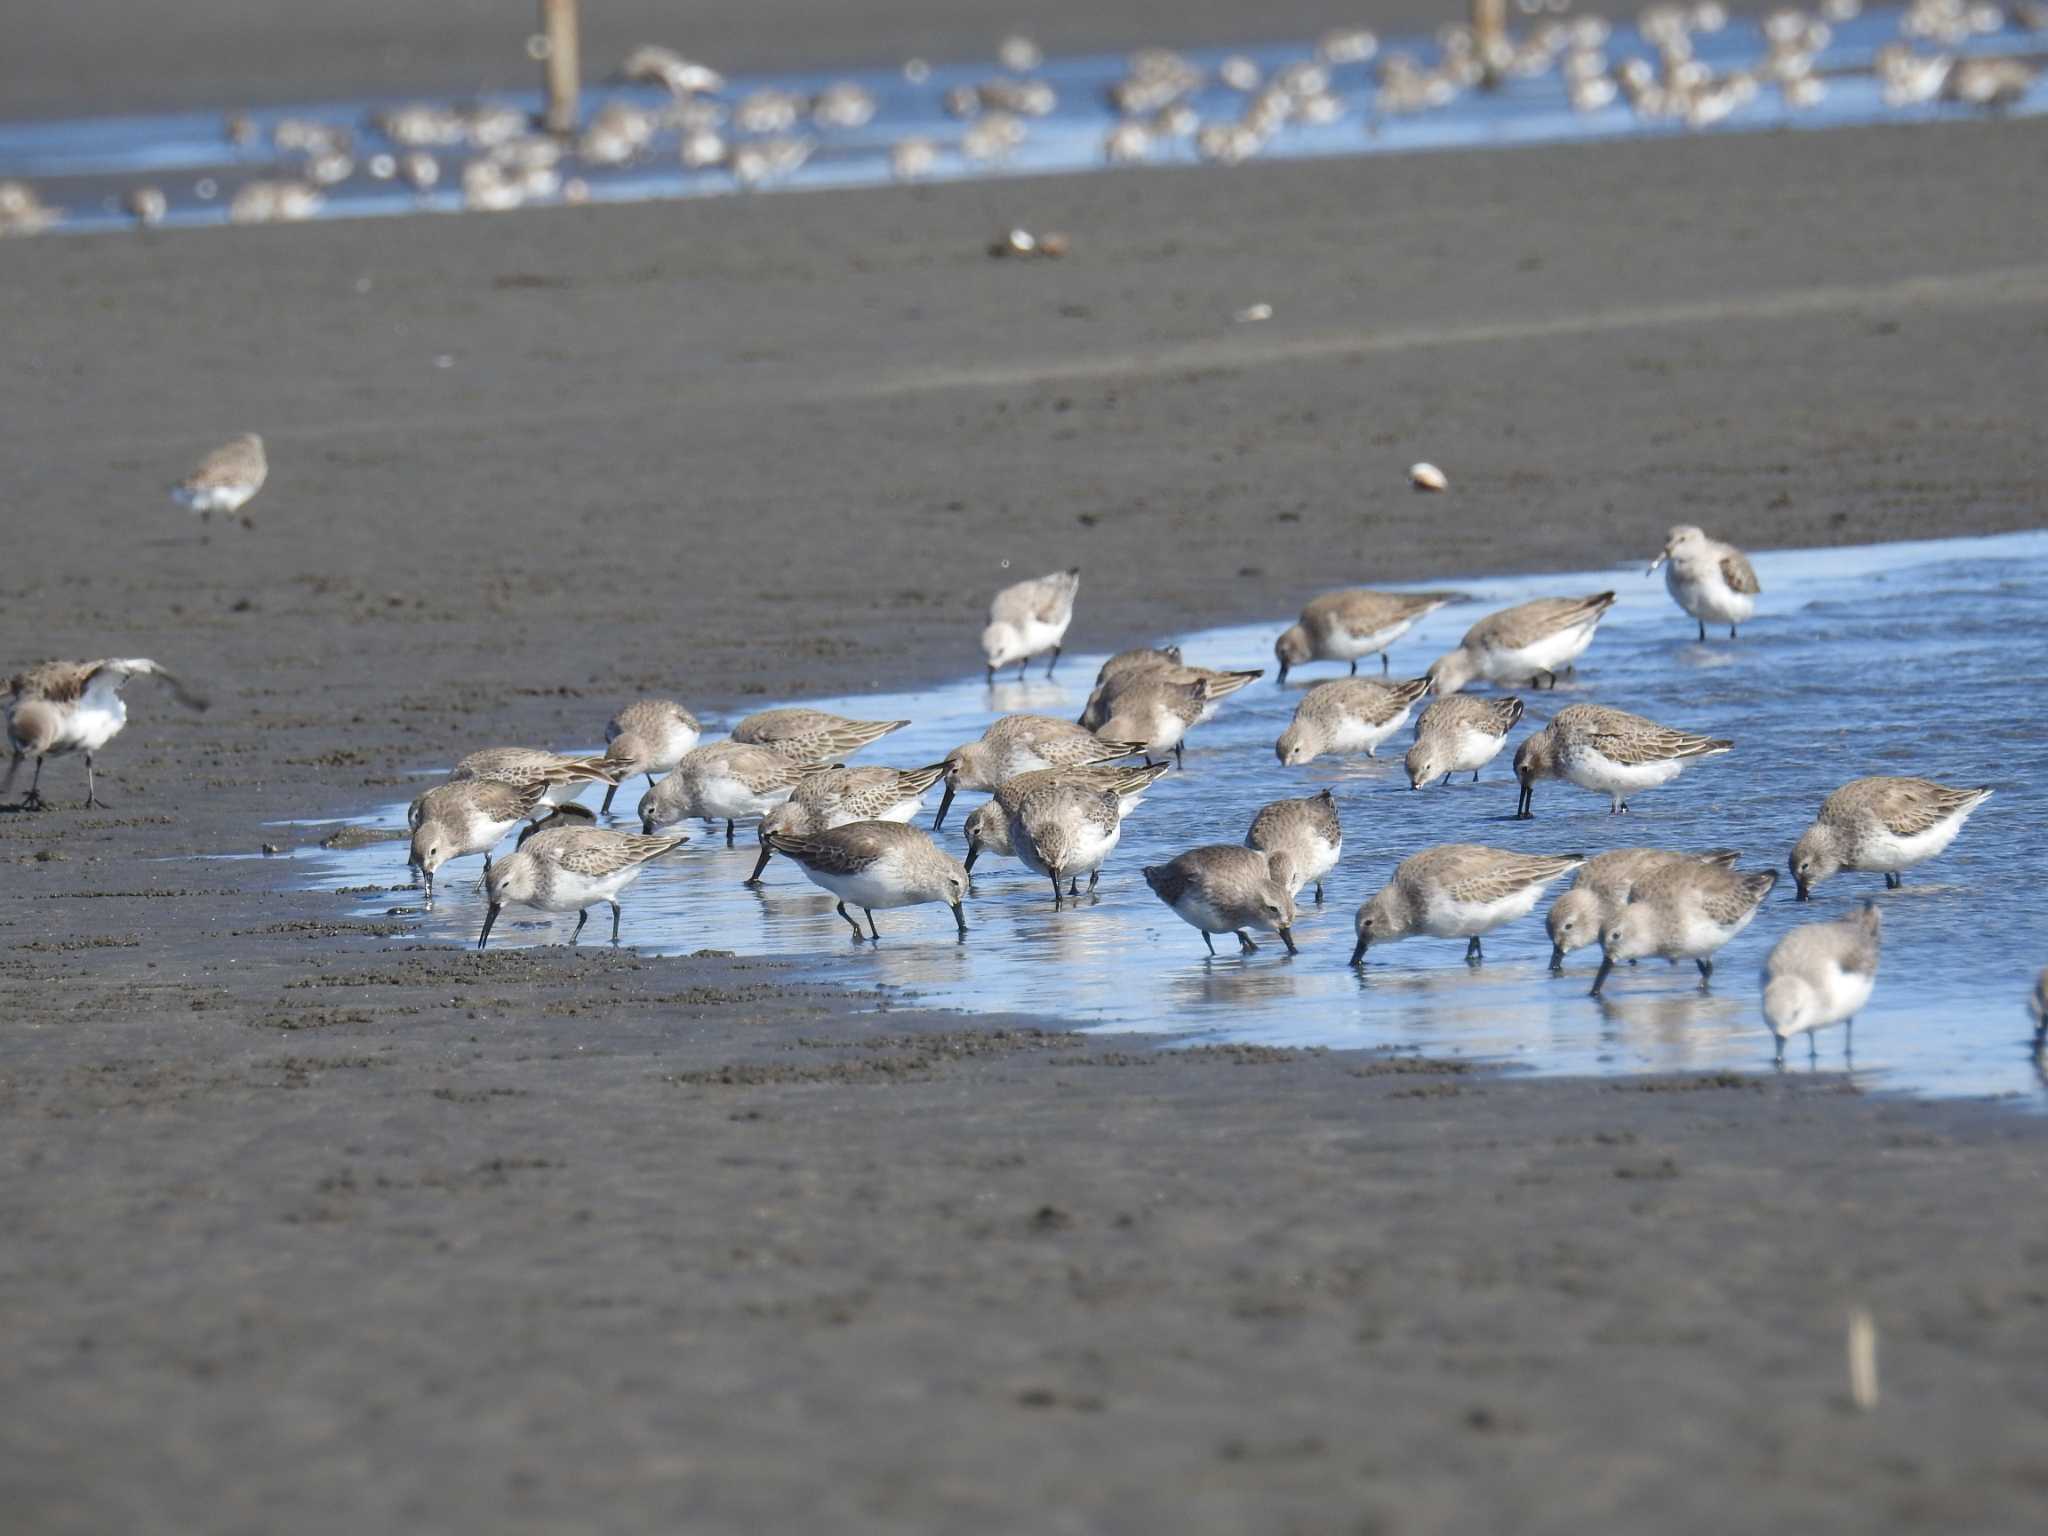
x=843, y=850
x=1739, y=573
x=1487, y=875
x=1908, y=807
x=597, y=852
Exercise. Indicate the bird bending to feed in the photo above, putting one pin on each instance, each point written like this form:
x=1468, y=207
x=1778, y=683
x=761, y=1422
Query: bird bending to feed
x=831, y=797
x=567, y=865
x=1063, y=830
x=648, y=736
x=1134, y=672
x=1459, y=733
x=1020, y=744
x=729, y=781
x=988, y=825
x=1343, y=626
x=58, y=707
x=452, y=821
x=877, y=864
x=226, y=478
x=1347, y=714
x=1159, y=712
x=1457, y=891
x=811, y=735
x=561, y=778
x=1708, y=579
x=1882, y=826
x=1529, y=643
x=1307, y=831
x=1223, y=888
x=1608, y=751
x=1687, y=910
x=1821, y=974
x=1029, y=618
x=1602, y=887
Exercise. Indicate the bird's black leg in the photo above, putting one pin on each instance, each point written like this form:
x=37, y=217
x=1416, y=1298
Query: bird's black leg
x=1812, y=1050
x=33, y=800
x=1475, y=776
x=1054, y=662
x=582, y=917
x=872, y=932
x=609, y=791
x=1892, y=881
x=1094, y=878
x=1245, y=946
x=1600, y=980
x=1440, y=783
x=1178, y=759
x=615, y=922
x=1208, y=941
x=91, y=799
x=728, y=832
x=1354, y=666
x=1703, y=631
x=1473, y=953
x=1706, y=965
x=1319, y=893
x=857, y=934
x=1731, y=631
x=1074, y=886
x=1059, y=898
x=1385, y=665
x=1848, y=1039
x=991, y=674
x=1023, y=667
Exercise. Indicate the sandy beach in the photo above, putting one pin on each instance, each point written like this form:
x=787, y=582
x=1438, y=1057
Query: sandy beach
x=315, y=1230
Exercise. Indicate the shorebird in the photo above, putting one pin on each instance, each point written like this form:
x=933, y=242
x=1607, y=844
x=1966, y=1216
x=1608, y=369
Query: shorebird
x=1687, y=910
x=570, y=867
x=1602, y=887
x=1063, y=830
x=2037, y=1006
x=1135, y=674
x=988, y=825
x=877, y=864
x=561, y=778
x=1019, y=744
x=1457, y=891
x=1159, y=712
x=226, y=478
x=1608, y=751
x=1708, y=579
x=1307, y=831
x=1883, y=826
x=725, y=781
x=1529, y=643
x=832, y=797
x=1343, y=626
x=811, y=735
x=648, y=736
x=1347, y=714
x=1459, y=732
x=58, y=707
x=1223, y=888
x=1028, y=619
x=452, y=821
x=1821, y=974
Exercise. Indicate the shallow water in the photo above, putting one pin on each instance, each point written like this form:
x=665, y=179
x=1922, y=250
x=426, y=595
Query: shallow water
x=83, y=165
x=1902, y=659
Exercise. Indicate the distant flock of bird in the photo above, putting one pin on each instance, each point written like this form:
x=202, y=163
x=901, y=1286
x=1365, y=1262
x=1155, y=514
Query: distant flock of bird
x=1059, y=790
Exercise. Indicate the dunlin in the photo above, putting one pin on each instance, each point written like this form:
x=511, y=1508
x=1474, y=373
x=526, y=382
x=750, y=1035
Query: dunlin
x=1028, y=619
x=1356, y=622
x=561, y=778
x=1063, y=830
x=1347, y=714
x=1608, y=751
x=2037, y=1006
x=811, y=735
x=1159, y=712
x=1019, y=744
x=988, y=825
x=832, y=797
x=226, y=478
x=1457, y=891
x=648, y=736
x=1821, y=974
x=1122, y=669
x=452, y=821
x=1307, y=831
x=1459, y=732
x=1708, y=579
x=570, y=868
x=1882, y=826
x=1109, y=691
x=1687, y=910
x=74, y=706
x=727, y=781
x=1223, y=888
x=1602, y=887
x=877, y=864
x=1529, y=643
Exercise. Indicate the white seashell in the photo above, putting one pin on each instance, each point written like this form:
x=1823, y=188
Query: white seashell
x=1251, y=314
x=1427, y=477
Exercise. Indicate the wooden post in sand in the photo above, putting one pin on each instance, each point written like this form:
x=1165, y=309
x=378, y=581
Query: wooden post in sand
x=561, y=70
x=1490, y=34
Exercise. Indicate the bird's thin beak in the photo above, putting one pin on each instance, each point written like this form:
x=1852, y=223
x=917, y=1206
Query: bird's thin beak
x=945, y=805
x=1656, y=563
x=1358, y=954
x=960, y=917
x=490, y=917
x=1599, y=981
x=1287, y=938
x=1281, y=680
x=973, y=853
x=1557, y=957
x=767, y=853
x=647, y=826
x=1805, y=891
x=1522, y=811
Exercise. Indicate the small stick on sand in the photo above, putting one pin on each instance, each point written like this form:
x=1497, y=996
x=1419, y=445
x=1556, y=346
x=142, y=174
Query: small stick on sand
x=1862, y=1359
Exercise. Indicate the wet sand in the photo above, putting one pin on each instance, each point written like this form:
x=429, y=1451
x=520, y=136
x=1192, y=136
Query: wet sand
x=315, y=1229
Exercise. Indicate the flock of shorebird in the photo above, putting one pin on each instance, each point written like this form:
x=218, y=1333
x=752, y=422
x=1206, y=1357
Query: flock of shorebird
x=1059, y=790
